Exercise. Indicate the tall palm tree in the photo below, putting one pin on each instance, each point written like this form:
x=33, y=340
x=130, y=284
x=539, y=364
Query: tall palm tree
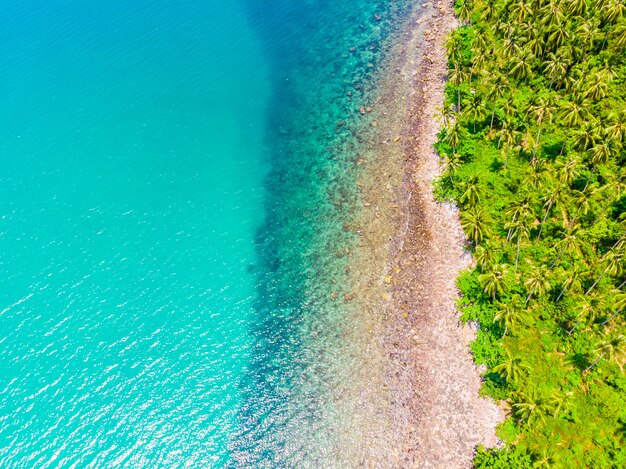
x=475, y=108
x=569, y=244
x=552, y=13
x=613, y=266
x=521, y=65
x=475, y=222
x=567, y=171
x=520, y=10
x=538, y=281
x=612, y=348
x=614, y=11
x=618, y=36
x=454, y=134
x=619, y=303
x=457, y=77
x=587, y=135
x=577, y=7
x=473, y=191
x=512, y=369
x=510, y=314
x=556, y=68
x=573, y=113
x=601, y=153
x=450, y=164
x=464, y=11
x=497, y=88
x=557, y=36
x=485, y=255
x=597, y=86
x=555, y=196
x=530, y=406
x=572, y=281
x=495, y=281
x=542, y=112
x=617, y=129
x=519, y=229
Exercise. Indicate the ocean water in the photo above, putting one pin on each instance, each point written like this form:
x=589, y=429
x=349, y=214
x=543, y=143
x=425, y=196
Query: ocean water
x=175, y=181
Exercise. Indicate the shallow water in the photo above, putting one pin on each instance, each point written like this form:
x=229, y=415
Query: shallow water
x=176, y=177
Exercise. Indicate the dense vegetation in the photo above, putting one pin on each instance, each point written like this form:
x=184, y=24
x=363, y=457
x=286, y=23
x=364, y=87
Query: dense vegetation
x=533, y=146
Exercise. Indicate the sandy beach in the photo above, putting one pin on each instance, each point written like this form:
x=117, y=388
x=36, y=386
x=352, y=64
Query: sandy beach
x=404, y=274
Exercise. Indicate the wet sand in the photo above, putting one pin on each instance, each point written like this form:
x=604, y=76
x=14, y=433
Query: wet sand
x=411, y=249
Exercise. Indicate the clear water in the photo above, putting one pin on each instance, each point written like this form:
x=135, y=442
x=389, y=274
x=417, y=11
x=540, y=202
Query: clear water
x=173, y=186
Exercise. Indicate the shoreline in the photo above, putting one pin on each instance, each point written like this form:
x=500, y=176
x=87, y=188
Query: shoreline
x=411, y=251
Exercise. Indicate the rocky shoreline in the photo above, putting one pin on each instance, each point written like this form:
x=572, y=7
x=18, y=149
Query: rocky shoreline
x=404, y=274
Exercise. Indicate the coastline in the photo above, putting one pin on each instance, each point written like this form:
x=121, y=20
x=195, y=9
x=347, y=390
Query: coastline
x=411, y=250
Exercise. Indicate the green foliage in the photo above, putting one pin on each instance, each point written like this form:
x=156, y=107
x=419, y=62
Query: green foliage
x=502, y=459
x=534, y=156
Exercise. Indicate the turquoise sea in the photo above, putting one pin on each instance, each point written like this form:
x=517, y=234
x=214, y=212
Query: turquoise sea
x=170, y=172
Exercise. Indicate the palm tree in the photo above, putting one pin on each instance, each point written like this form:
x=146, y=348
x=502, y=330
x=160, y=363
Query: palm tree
x=454, y=134
x=531, y=406
x=512, y=369
x=520, y=209
x=617, y=130
x=518, y=228
x=601, y=153
x=587, y=135
x=541, y=111
x=619, y=303
x=475, y=108
x=537, y=281
x=510, y=314
x=445, y=115
x=520, y=10
x=569, y=244
x=494, y=281
x=497, y=87
x=507, y=138
x=521, y=65
x=618, y=36
x=611, y=347
x=555, y=197
x=489, y=9
x=485, y=255
x=567, y=171
x=577, y=7
x=450, y=164
x=475, y=222
x=573, y=114
x=457, y=77
x=587, y=33
x=558, y=36
x=556, y=68
x=464, y=11
x=537, y=176
x=613, y=259
x=597, y=86
x=614, y=11
x=592, y=307
x=572, y=281
x=552, y=13
x=473, y=191
x=583, y=200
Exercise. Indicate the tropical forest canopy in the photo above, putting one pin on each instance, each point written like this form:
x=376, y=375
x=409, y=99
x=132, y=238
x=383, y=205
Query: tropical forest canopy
x=532, y=145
